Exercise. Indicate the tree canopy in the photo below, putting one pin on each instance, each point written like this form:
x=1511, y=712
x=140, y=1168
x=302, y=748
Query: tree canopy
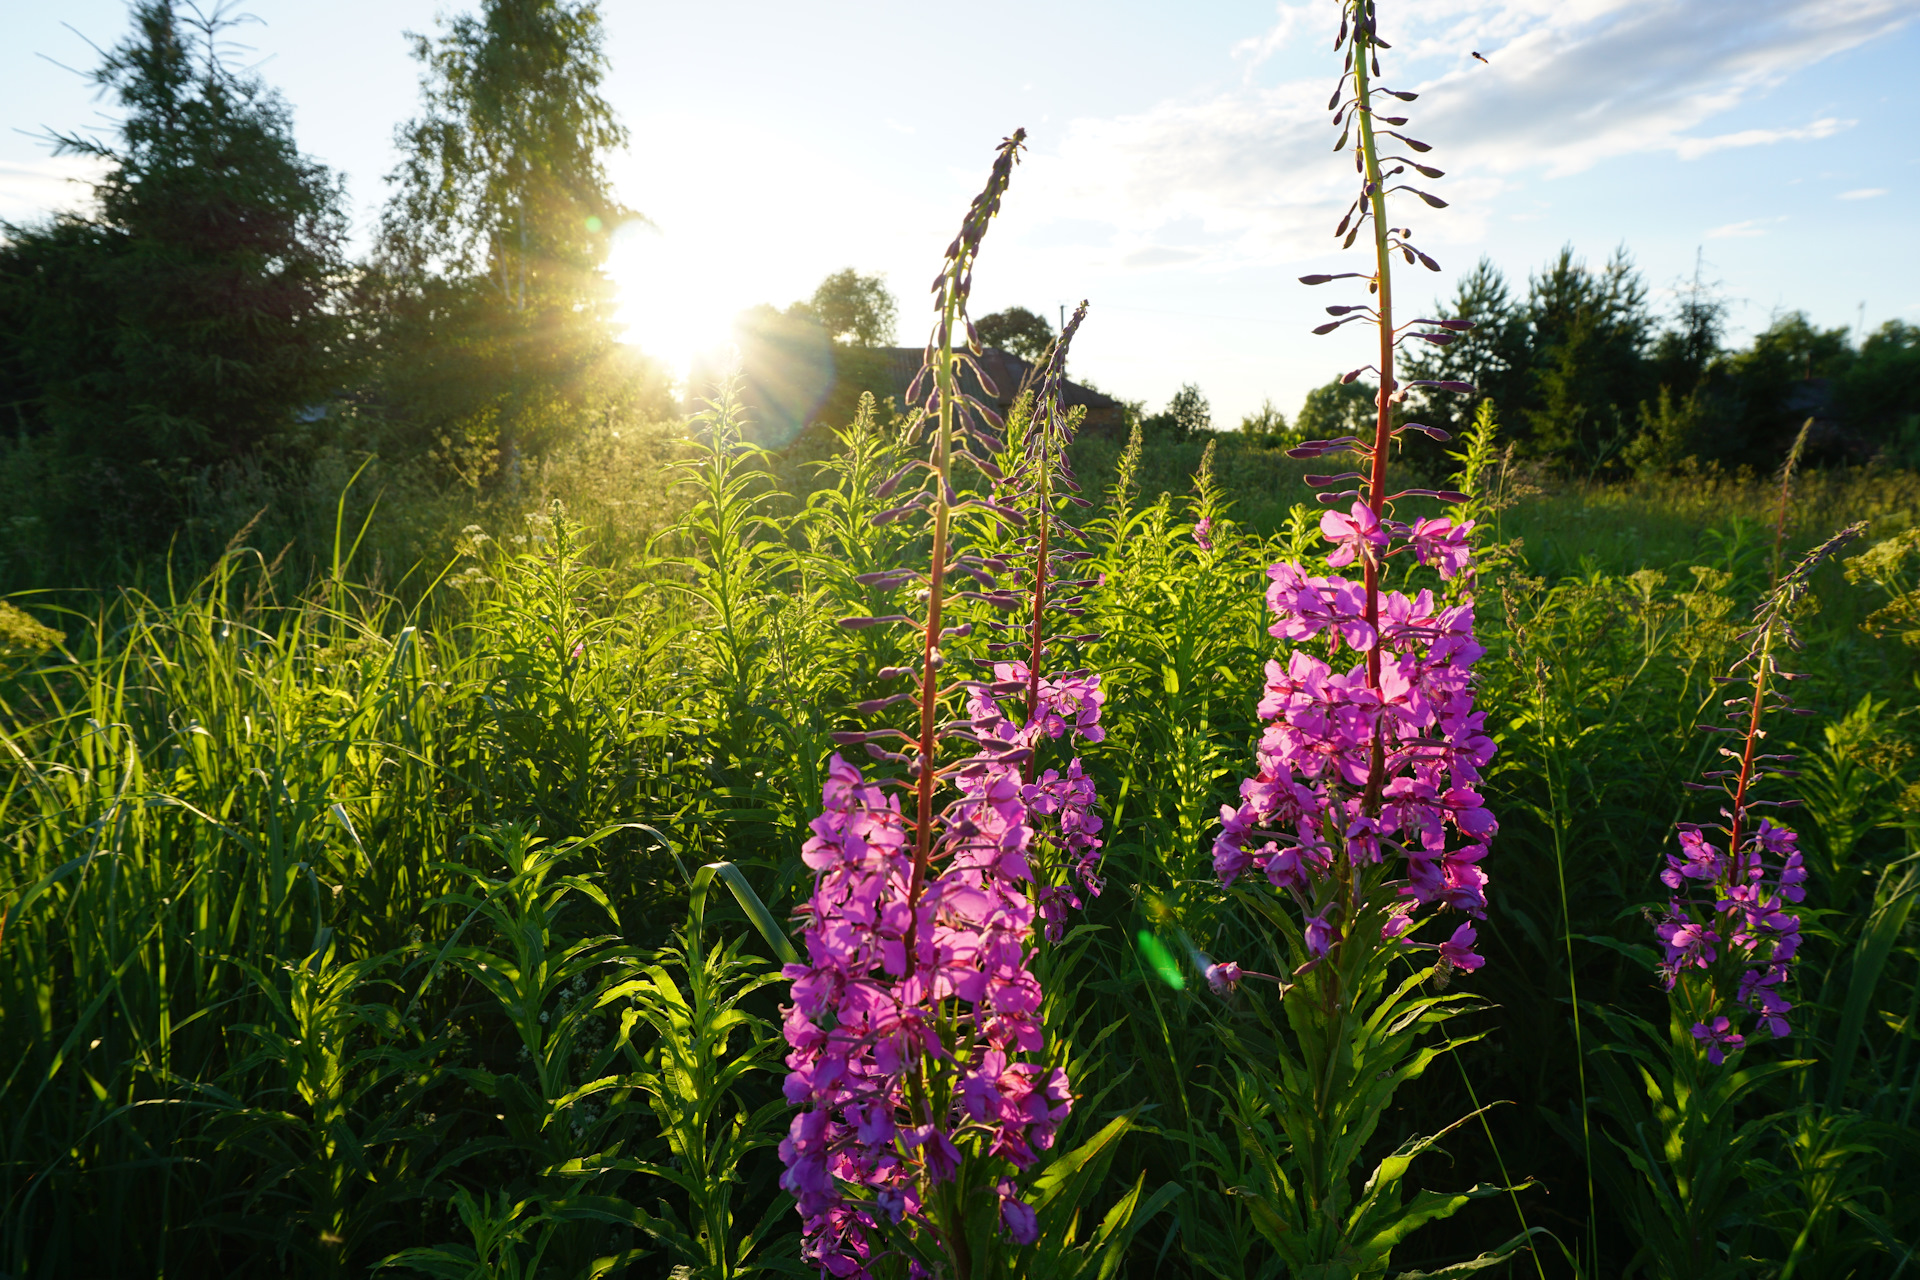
x=854, y=309
x=1585, y=375
x=187, y=317
x=1267, y=420
x=490, y=305
x=1186, y=415
x=1017, y=330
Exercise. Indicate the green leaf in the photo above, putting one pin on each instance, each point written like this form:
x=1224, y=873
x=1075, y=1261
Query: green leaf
x=1124, y=1220
x=1869, y=957
x=1493, y=1258
x=1059, y=1171
x=1427, y=1206
x=750, y=903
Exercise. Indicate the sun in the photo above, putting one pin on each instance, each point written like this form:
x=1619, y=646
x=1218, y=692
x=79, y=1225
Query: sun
x=674, y=303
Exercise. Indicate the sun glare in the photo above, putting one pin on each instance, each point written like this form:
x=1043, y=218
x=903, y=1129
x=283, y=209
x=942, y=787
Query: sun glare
x=672, y=305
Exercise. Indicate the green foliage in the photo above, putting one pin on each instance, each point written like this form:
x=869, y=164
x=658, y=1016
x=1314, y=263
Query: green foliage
x=503, y=175
x=190, y=317
x=689, y=1081
x=486, y=304
x=1306, y=1101
x=1338, y=409
x=23, y=636
x=1189, y=412
x=1587, y=331
x=1267, y=420
x=1681, y=1147
x=1593, y=384
x=1887, y=566
x=230, y=824
x=1877, y=391
x=855, y=309
x=1018, y=330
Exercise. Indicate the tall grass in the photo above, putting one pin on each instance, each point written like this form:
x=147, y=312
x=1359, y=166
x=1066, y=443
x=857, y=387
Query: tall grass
x=325, y=927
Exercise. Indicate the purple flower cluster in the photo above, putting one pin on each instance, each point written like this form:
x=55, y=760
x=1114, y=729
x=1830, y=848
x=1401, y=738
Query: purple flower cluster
x=1735, y=908
x=905, y=998
x=1061, y=807
x=1367, y=766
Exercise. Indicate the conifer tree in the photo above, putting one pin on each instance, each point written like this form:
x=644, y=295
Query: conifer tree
x=189, y=317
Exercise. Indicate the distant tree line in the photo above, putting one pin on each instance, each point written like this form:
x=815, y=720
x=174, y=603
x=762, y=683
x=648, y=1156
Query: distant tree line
x=1586, y=377
x=203, y=312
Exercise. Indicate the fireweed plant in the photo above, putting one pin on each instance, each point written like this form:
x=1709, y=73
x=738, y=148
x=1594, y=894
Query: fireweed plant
x=1036, y=480
x=1730, y=931
x=918, y=1054
x=1730, y=936
x=1365, y=812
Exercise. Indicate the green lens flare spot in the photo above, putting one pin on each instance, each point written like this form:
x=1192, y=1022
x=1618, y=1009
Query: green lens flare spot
x=1161, y=962
x=594, y=225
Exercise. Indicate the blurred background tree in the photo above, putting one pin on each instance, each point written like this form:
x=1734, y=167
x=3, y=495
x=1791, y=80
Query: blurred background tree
x=1880, y=392
x=189, y=318
x=1017, y=330
x=486, y=301
x=1338, y=409
x=1587, y=379
x=1186, y=416
x=855, y=310
x=1267, y=428
x=1589, y=332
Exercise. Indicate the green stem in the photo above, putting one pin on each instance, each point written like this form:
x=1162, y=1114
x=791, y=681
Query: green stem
x=1338, y=1000
x=1499, y=1159
x=1554, y=794
x=950, y=1226
x=1376, y=491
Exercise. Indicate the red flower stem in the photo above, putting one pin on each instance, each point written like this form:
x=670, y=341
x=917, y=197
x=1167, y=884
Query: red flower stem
x=1035, y=653
x=936, y=588
x=1754, y=735
x=1383, y=426
x=1383, y=284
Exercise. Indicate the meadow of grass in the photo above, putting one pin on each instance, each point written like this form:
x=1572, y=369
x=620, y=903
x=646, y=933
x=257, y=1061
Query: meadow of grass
x=348, y=913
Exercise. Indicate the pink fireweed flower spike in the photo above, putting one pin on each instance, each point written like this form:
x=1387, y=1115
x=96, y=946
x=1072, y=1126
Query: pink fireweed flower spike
x=864, y=1012
x=1730, y=931
x=1417, y=799
x=1719, y=1036
x=1018, y=1217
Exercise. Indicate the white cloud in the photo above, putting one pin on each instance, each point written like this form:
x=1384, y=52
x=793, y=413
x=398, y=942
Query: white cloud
x=1570, y=84
x=1862, y=193
x=31, y=189
x=1825, y=127
x=1743, y=230
x=1257, y=49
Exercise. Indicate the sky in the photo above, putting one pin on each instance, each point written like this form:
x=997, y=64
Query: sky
x=1180, y=173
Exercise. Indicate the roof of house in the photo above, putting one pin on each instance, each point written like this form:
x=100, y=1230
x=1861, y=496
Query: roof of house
x=1009, y=375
